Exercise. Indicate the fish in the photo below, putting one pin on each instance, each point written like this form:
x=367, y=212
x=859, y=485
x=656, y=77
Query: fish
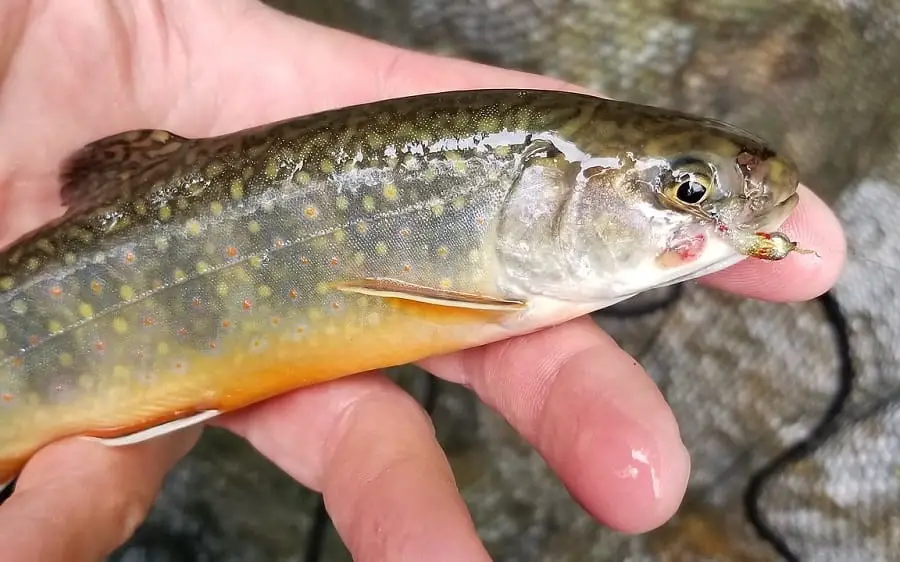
x=192, y=277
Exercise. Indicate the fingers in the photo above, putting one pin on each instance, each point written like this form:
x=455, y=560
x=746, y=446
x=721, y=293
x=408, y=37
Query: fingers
x=798, y=277
x=592, y=413
x=77, y=500
x=371, y=450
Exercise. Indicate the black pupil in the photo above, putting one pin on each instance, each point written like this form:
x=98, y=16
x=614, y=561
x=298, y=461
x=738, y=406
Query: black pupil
x=691, y=192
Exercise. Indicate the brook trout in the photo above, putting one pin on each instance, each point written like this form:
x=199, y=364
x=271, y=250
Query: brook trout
x=193, y=277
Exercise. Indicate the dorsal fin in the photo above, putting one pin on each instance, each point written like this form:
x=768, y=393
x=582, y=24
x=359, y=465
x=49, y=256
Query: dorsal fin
x=105, y=169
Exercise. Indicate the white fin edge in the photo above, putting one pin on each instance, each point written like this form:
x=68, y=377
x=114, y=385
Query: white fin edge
x=157, y=431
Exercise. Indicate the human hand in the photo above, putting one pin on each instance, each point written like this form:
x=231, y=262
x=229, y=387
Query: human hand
x=208, y=67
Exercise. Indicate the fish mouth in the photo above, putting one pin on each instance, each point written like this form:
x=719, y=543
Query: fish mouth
x=781, y=211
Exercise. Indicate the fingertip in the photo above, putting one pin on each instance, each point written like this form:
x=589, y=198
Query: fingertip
x=799, y=277
x=621, y=455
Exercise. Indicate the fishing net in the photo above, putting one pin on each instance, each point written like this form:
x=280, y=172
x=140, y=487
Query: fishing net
x=790, y=412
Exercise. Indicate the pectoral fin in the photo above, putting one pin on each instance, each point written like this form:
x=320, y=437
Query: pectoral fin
x=393, y=288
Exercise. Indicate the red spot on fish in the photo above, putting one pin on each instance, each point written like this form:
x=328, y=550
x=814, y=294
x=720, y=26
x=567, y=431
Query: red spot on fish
x=721, y=228
x=148, y=321
x=99, y=346
x=17, y=361
x=129, y=257
x=58, y=388
x=407, y=268
x=182, y=331
x=226, y=323
x=293, y=293
x=56, y=290
x=304, y=260
x=690, y=249
x=7, y=397
x=33, y=340
x=279, y=243
x=247, y=304
x=196, y=303
x=212, y=345
x=335, y=261
x=231, y=251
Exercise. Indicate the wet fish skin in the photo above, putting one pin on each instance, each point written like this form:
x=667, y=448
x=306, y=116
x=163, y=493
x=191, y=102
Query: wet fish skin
x=193, y=275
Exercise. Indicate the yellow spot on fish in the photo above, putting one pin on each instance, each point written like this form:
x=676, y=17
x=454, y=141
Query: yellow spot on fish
x=459, y=202
x=443, y=251
x=264, y=291
x=474, y=256
x=255, y=262
x=33, y=263
x=502, y=150
x=271, y=168
x=2, y=332
x=237, y=189
x=253, y=227
x=322, y=288
x=69, y=258
x=126, y=292
x=373, y=318
x=315, y=314
x=66, y=359
x=162, y=348
x=340, y=235
x=374, y=140
x=86, y=381
x=216, y=208
x=140, y=208
x=390, y=191
x=120, y=325
x=362, y=227
x=193, y=227
x=202, y=267
x=446, y=283
x=326, y=165
x=330, y=330
x=179, y=275
x=368, y=203
x=222, y=289
x=341, y=203
x=182, y=203
x=165, y=212
x=359, y=258
x=311, y=211
x=121, y=372
x=85, y=310
x=19, y=307
x=44, y=245
x=381, y=248
x=54, y=327
x=429, y=174
x=302, y=178
x=214, y=169
x=162, y=243
x=437, y=208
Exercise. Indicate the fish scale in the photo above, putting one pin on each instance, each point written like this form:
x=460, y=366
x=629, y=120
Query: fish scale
x=191, y=277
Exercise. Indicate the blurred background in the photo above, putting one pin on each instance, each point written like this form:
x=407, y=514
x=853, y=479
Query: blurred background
x=790, y=412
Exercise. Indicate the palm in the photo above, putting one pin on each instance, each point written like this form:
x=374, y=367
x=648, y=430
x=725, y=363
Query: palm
x=202, y=68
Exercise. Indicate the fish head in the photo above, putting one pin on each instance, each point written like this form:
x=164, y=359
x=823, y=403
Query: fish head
x=679, y=203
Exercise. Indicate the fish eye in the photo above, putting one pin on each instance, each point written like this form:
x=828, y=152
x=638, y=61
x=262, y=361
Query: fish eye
x=691, y=192
x=691, y=183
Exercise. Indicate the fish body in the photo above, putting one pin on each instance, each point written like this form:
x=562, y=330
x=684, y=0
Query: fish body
x=192, y=277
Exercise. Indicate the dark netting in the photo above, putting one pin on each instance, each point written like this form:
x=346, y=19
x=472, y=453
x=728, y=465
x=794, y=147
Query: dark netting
x=790, y=411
